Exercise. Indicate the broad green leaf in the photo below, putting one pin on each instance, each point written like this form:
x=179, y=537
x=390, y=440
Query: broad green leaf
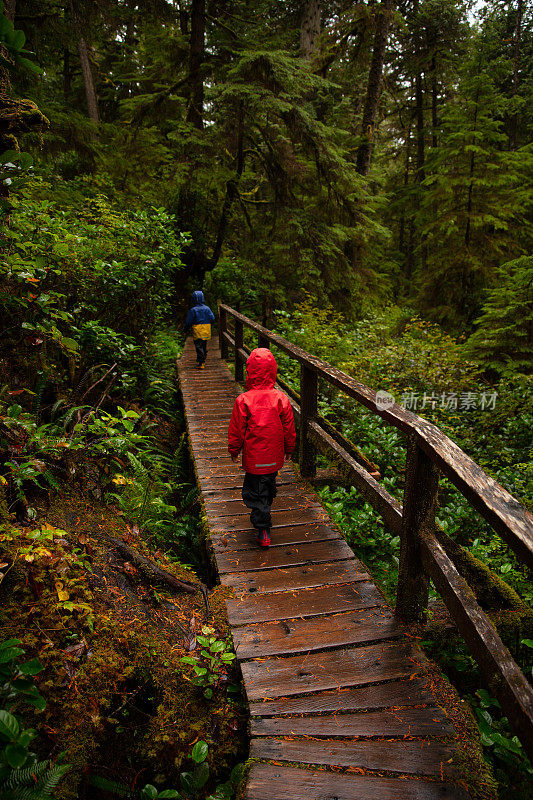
x=188, y=782
x=199, y=752
x=32, y=667
x=16, y=755
x=201, y=775
x=9, y=726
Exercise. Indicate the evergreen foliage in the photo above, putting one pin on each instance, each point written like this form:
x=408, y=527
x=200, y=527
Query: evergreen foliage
x=504, y=339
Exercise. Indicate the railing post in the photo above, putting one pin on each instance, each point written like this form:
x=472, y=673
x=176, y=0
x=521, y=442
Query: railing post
x=239, y=342
x=222, y=328
x=419, y=507
x=262, y=341
x=308, y=410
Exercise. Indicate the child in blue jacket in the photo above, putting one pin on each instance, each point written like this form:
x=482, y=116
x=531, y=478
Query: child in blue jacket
x=199, y=319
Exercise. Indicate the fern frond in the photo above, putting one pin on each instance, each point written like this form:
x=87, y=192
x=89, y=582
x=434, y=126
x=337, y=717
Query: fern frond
x=50, y=779
x=140, y=471
x=19, y=777
x=38, y=393
x=57, y=405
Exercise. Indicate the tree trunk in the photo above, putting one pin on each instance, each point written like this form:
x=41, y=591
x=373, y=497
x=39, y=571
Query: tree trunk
x=401, y=237
x=516, y=61
x=373, y=92
x=9, y=9
x=434, y=103
x=86, y=71
x=184, y=19
x=88, y=80
x=67, y=75
x=310, y=28
x=195, y=112
x=231, y=194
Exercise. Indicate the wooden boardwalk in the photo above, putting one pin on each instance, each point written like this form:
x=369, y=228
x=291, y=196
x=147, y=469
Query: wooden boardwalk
x=340, y=697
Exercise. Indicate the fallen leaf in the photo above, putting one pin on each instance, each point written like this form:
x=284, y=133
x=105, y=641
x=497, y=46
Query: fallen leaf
x=189, y=641
x=61, y=593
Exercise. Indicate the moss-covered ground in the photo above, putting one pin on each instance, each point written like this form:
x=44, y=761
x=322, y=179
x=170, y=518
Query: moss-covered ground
x=118, y=702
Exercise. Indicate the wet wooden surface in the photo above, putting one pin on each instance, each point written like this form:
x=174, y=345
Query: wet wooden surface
x=332, y=678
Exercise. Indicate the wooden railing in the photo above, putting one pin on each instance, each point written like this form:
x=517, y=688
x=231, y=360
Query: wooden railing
x=430, y=454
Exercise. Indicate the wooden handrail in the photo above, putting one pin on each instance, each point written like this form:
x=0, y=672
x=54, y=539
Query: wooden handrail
x=501, y=510
x=430, y=453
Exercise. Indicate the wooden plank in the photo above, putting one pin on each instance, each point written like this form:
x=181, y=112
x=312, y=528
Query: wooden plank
x=308, y=553
x=395, y=694
x=283, y=502
x=215, y=495
x=302, y=603
x=228, y=469
x=408, y=722
x=207, y=456
x=414, y=758
x=282, y=677
x=216, y=483
x=234, y=541
x=241, y=522
x=276, y=580
x=503, y=675
x=292, y=636
x=268, y=781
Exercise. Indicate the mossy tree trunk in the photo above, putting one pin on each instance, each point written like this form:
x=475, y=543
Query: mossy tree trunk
x=310, y=28
x=374, y=85
x=195, y=111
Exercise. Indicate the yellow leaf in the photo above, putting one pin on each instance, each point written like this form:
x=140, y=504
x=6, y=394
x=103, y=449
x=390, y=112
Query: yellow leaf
x=61, y=593
x=2, y=480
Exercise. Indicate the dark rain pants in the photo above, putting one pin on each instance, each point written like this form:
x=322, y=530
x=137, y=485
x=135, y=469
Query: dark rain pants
x=258, y=492
x=201, y=350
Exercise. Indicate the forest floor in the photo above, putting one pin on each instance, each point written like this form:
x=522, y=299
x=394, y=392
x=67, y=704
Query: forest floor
x=120, y=703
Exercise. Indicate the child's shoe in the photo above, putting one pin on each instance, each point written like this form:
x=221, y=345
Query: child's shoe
x=202, y=366
x=263, y=538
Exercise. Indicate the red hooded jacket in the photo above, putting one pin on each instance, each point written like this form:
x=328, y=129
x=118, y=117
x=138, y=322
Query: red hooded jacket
x=262, y=424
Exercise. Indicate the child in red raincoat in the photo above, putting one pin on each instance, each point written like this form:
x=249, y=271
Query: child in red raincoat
x=262, y=426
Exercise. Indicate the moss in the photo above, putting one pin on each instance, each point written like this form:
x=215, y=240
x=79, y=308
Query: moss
x=474, y=771
x=131, y=662
x=4, y=512
x=492, y=593
x=240, y=792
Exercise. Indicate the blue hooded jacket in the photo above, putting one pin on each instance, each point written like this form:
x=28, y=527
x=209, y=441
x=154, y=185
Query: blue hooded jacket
x=199, y=314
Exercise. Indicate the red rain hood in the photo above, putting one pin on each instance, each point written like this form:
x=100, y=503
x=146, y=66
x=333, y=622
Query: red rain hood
x=261, y=369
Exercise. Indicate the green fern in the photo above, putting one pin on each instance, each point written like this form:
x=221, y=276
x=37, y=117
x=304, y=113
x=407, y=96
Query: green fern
x=35, y=782
x=51, y=778
x=40, y=386
x=55, y=408
x=139, y=470
x=24, y=775
x=69, y=415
